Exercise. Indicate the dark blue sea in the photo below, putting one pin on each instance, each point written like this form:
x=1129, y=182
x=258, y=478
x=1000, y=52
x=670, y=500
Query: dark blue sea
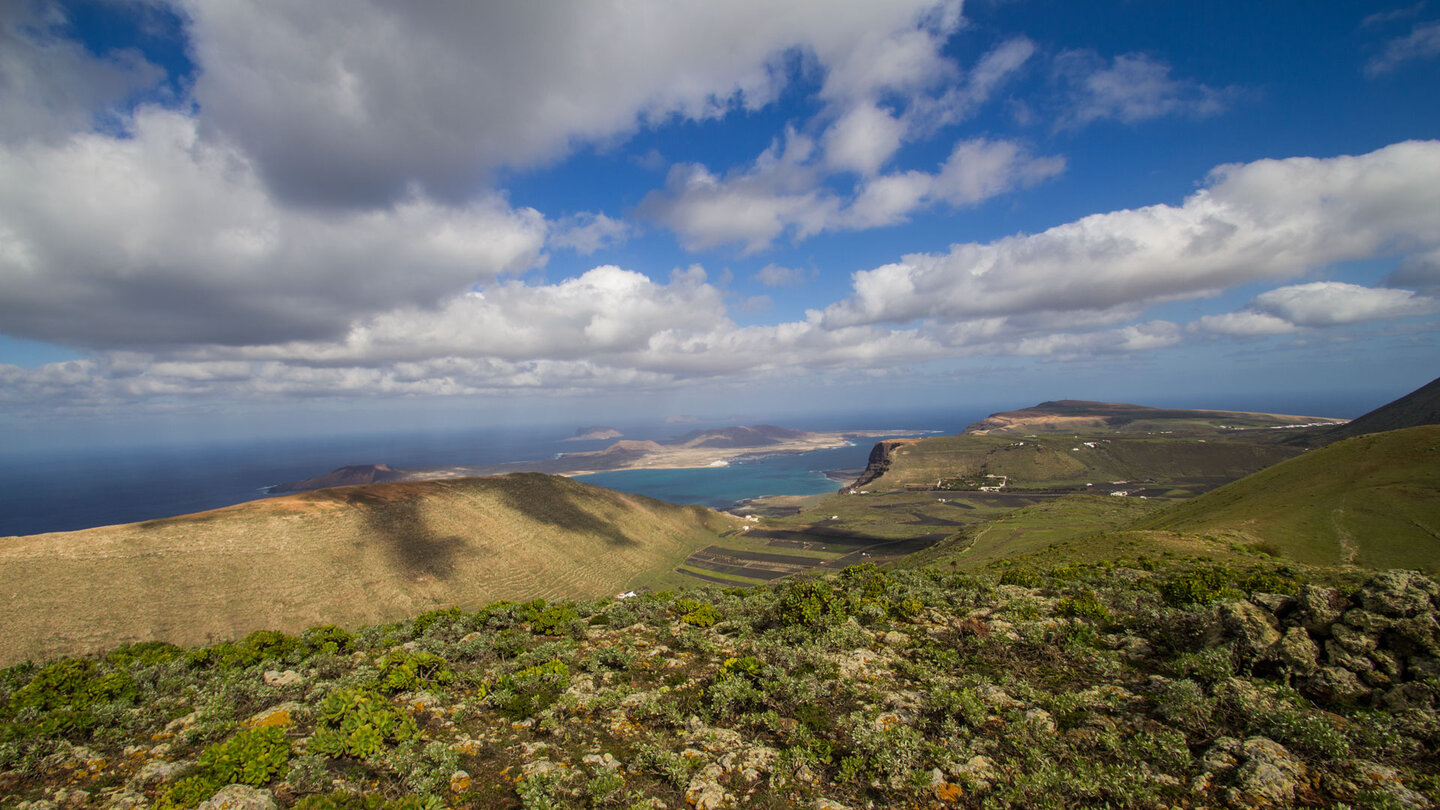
x=61, y=490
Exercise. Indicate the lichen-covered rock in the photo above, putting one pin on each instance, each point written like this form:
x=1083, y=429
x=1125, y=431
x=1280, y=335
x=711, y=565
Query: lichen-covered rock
x=1352, y=640
x=1319, y=608
x=1336, y=684
x=1252, y=627
x=1411, y=695
x=1399, y=594
x=1268, y=773
x=1372, y=624
x=287, y=677
x=1297, y=653
x=154, y=772
x=705, y=791
x=1342, y=656
x=239, y=797
x=1416, y=635
x=274, y=716
x=1278, y=604
x=1386, y=780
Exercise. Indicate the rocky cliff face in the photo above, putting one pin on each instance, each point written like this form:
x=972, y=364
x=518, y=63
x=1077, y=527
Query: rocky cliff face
x=879, y=462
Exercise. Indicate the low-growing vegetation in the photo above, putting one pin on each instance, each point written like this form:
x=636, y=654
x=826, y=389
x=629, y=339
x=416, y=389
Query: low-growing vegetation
x=1136, y=683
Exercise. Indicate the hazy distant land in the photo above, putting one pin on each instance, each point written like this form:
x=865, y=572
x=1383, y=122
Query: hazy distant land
x=700, y=448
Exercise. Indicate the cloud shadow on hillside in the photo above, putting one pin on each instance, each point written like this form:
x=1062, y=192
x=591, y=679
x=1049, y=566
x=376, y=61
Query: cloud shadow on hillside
x=560, y=507
x=411, y=544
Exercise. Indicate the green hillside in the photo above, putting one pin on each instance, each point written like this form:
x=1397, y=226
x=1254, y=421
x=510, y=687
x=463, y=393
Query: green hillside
x=1182, y=464
x=1419, y=407
x=350, y=555
x=1372, y=500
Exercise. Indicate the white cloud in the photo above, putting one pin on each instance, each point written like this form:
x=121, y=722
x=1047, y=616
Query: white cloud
x=773, y=275
x=781, y=194
x=1245, y=323
x=1318, y=304
x=51, y=86
x=350, y=101
x=863, y=140
x=183, y=244
x=588, y=232
x=1423, y=42
x=1334, y=303
x=1263, y=220
x=1133, y=88
x=980, y=169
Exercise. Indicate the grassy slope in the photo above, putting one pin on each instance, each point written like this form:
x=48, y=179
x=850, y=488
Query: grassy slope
x=1067, y=461
x=349, y=556
x=1372, y=500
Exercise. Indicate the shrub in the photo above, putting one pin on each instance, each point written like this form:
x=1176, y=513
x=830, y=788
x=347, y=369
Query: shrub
x=1199, y=586
x=1022, y=576
x=811, y=604
x=144, y=654
x=261, y=645
x=62, y=697
x=1085, y=605
x=366, y=801
x=553, y=621
x=703, y=615
x=532, y=690
x=402, y=671
x=253, y=757
x=907, y=609
x=327, y=638
x=359, y=723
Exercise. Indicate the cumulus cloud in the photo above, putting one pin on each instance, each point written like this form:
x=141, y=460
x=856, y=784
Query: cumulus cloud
x=1333, y=303
x=1131, y=88
x=1263, y=220
x=864, y=139
x=588, y=232
x=332, y=102
x=183, y=244
x=1423, y=42
x=782, y=194
x=1318, y=304
x=51, y=86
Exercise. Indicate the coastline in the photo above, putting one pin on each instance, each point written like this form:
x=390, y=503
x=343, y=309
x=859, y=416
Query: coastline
x=652, y=456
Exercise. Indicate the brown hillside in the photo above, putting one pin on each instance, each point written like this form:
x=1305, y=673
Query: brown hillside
x=350, y=556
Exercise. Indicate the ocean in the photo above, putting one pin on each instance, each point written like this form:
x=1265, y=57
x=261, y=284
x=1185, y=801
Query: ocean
x=68, y=489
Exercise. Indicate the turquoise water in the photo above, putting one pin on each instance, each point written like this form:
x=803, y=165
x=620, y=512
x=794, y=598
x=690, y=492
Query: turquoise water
x=721, y=487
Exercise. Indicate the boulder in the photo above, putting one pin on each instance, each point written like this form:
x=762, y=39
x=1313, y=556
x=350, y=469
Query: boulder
x=1279, y=604
x=1366, y=622
x=1335, y=684
x=1319, y=608
x=1297, y=653
x=1268, y=773
x=1411, y=695
x=239, y=797
x=1253, y=628
x=1399, y=594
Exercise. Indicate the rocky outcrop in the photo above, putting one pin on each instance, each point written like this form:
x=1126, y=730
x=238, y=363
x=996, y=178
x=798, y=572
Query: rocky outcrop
x=1379, y=645
x=879, y=462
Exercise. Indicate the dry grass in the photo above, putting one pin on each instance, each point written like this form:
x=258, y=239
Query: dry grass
x=350, y=556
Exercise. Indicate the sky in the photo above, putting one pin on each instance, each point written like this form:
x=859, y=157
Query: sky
x=229, y=218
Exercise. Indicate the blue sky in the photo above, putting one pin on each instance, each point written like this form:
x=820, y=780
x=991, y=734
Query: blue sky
x=247, y=217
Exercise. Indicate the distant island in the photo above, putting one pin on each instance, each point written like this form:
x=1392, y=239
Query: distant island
x=593, y=433
x=699, y=448
x=343, y=477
